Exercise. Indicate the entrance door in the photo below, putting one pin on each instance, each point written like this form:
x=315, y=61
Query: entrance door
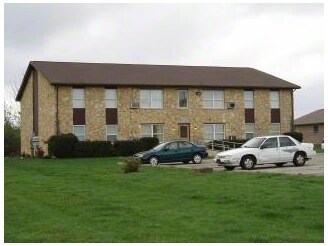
x=184, y=131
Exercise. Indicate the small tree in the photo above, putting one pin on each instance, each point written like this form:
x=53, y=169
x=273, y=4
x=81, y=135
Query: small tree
x=11, y=131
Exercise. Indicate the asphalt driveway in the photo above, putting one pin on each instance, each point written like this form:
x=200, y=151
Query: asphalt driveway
x=314, y=166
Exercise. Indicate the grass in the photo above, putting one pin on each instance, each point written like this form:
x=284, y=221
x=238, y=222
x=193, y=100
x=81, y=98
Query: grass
x=91, y=200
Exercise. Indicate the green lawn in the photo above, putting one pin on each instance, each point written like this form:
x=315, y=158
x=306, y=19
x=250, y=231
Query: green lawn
x=91, y=200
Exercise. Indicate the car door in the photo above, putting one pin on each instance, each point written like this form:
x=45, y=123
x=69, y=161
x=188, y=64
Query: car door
x=269, y=151
x=170, y=152
x=287, y=149
x=185, y=151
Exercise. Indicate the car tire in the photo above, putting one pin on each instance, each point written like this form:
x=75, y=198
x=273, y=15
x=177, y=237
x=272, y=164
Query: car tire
x=153, y=161
x=299, y=159
x=280, y=164
x=229, y=168
x=197, y=159
x=247, y=162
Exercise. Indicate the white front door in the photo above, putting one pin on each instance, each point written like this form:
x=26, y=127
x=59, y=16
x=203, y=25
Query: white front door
x=269, y=151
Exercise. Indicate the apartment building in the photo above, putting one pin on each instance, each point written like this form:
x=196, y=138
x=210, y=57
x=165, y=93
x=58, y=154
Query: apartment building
x=98, y=101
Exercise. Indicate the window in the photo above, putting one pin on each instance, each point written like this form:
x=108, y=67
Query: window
x=111, y=133
x=79, y=132
x=275, y=129
x=249, y=99
x=285, y=141
x=315, y=128
x=185, y=145
x=270, y=143
x=274, y=99
x=78, y=98
x=153, y=130
x=183, y=99
x=111, y=98
x=151, y=99
x=249, y=130
x=213, y=132
x=213, y=99
x=172, y=146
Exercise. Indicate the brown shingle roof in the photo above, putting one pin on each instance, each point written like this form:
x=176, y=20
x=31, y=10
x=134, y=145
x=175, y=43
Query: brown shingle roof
x=314, y=117
x=72, y=73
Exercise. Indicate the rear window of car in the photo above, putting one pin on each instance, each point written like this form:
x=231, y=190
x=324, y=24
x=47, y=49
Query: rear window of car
x=285, y=141
x=185, y=145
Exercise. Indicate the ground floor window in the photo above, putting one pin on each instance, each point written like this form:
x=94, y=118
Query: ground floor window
x=249, y=130
x=213, y=132
x=111, y=133
x=79, y=132
x=153, y=130
x=275, y=129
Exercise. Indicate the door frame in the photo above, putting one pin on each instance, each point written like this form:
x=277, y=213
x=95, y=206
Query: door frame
x=179, y=132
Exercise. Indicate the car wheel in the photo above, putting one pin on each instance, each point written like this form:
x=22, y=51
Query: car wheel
x=186, y=162
x=247, y=162
x=229, y=168
x=197, y=159
x=299, y=159
x=153, y=161
x=280, y=164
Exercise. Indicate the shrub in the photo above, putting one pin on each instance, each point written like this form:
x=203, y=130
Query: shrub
x=147, y=143
x=130, y=147
x=131, y=165
x=94, y=149
x=297, y=135
x=62, y=146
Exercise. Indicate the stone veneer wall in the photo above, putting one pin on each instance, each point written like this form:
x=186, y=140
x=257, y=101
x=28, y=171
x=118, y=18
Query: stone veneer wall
x=95, y=113
x=286, y=113
x=26, y=105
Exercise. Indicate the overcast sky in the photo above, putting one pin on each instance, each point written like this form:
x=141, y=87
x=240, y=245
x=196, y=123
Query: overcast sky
x=286, y=40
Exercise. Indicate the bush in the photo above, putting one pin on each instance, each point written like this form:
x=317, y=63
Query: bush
x=130, y=147
x=131, y=165
x=297, y=135
x=94, y=149
x=62, y=146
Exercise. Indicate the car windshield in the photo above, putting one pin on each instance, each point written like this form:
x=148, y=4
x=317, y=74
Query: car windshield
x=253, y=143
x=160, y=146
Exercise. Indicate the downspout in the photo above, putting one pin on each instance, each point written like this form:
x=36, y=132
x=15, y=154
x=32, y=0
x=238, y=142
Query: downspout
x=292, y=120
x=57, y=121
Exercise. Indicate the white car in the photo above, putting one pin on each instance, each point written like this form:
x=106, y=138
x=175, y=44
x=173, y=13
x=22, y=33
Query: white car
x=277, y=150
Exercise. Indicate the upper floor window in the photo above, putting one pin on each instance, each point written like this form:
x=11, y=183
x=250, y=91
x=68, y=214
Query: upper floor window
x=213, y=99
x=78, y=98
x=274, y=99
x=151, y=99
x=249, y=99
x=183, y=99
x=111, y=98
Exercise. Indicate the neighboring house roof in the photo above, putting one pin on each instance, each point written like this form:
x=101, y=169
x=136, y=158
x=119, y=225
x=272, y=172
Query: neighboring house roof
x=315, y=117
x=81, y=74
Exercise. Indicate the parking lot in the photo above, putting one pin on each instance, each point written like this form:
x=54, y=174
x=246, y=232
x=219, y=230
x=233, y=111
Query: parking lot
x=314, y=166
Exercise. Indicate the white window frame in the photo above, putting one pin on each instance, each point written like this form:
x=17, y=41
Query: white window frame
x=84, y=132
x=110, y=99
x=275, y=133
x=82, y=99
x=152, y=130
x=214, y=130
x=246, y=132
x=151, y=98
x=108, y=134
x=248, y=100
x=273, y=101
x=213, y=99
x=179, y=99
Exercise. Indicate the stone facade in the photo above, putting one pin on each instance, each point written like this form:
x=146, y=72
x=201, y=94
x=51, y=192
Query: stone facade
x=27, y=117
x=130, y=120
